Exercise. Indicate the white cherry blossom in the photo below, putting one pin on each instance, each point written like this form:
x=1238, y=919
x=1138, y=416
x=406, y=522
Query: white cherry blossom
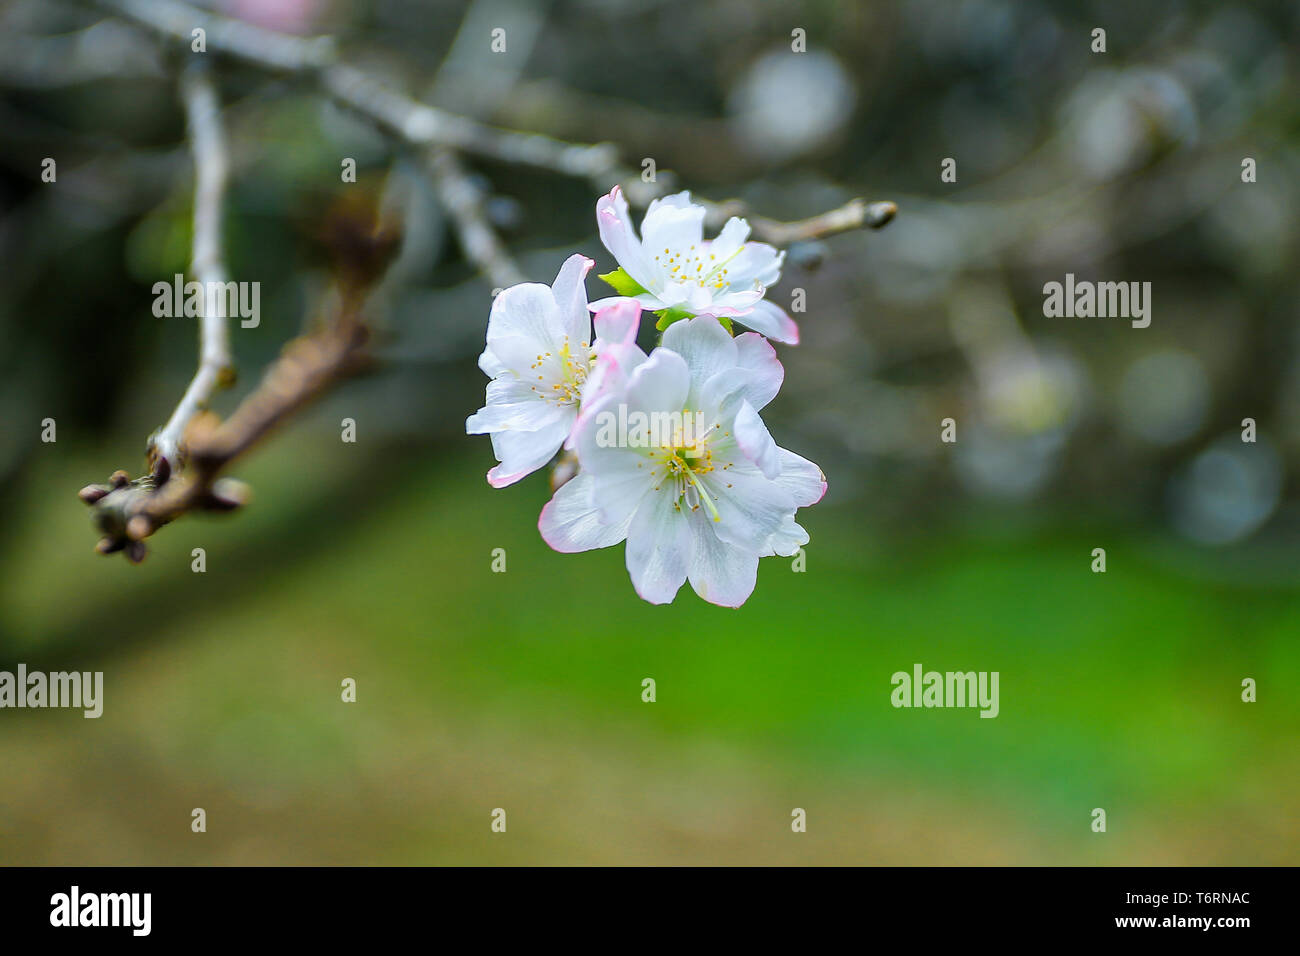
x=702, y=509
x=678, y=269
x=539, y=354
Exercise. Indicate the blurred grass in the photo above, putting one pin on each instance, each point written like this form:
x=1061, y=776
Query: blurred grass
x=522, y=690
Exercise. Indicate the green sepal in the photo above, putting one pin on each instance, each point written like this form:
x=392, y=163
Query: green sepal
x=622, y=283
x=668, y=316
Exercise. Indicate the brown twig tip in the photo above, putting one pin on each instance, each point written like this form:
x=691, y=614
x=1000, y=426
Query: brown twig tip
x=92, y=493
x=879, y=214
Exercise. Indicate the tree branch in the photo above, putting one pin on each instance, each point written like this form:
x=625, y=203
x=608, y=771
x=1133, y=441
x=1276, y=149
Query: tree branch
x=855, y=214
x=463, y=202
x=211, y=166
x=127, y=511
x=424, y=126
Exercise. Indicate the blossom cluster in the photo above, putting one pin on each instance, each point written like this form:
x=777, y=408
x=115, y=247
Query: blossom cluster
x=696, y=487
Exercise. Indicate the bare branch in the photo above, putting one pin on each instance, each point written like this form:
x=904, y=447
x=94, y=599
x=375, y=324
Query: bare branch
x=307, y=367
x=211, y=165
x=855, y=214
x=424, y=126
x=129, y=511
x=245, y=41
x=464, y=203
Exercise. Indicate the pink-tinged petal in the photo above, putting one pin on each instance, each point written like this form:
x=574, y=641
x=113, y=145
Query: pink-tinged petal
x=647, y=300
x=658, y=543
x=619, y=322
x=756, y=354
x=756, y=442
x=571, y=297
x=802, y=478
x=615, y=363
x=614, y=221
x=772, y=321
x=787, y=539
x=729, y=241
x=617, y=355
x=522, y=453
x=570, y=522
x=719, y=572
x=706, y=346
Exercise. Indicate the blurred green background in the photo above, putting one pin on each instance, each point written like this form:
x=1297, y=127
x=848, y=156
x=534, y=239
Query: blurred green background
x=522, y=690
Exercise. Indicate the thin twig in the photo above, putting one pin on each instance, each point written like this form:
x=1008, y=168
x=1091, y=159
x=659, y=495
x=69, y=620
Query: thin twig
x=855, y=214
x=424, y=126
x=400, y=115
x=211, y=165
x=308, y=366
x=464, y=203
x=129, y=511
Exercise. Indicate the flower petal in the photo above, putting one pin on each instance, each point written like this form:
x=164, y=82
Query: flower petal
x=658, y=544
x=569, y=522
x=622, y=475
x=771, y=320
x=615, y=224
x=522, y=453
x=679, y=229
x=787, y=539
x=525, y=322
x=757, y=264
x=729, y=241
x=802, y=478
x=570, y=294
x=756, y=442
x=750, y=506
x=681, y=200
x=720, y=573
x=756, y=354
x=660, y=384
x=490, y=364
x=526, y=416
x=706, y=346
x=648, y=301
x=619, y=322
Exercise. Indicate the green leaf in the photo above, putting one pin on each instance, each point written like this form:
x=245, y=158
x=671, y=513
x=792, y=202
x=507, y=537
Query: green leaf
x=623, y=283
x=668, y=316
